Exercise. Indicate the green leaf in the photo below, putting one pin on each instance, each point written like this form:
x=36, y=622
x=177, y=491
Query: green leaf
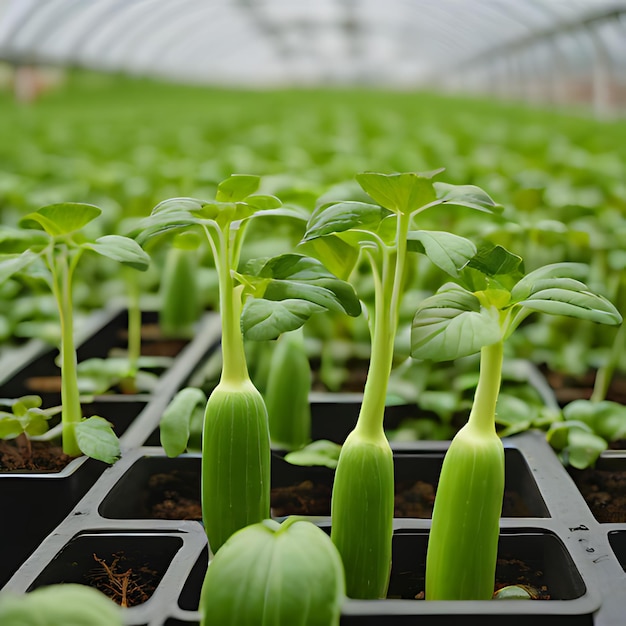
x=468, y=196
x=337, y=255
x=447, y=251
x=289, y=276
x=64, y=218
x=10, y=426
x=514, y=414
x=121, y=249
x=337, y=218
x=267, y=203
x=318, y=453
x=452, y=324
x=178, y=417
x=13, y=263
x=526, y=285
x=27, y=402
x=16, y=240
x=237, y=187
x=565, y=297
x=35, y=422
x=496, y=261
x=584, y=448
x=164, y=220
x=263, y=319
x=97, y=440
x=606, y=418
x=401, y=193
x=294, y=267
x=176, y=205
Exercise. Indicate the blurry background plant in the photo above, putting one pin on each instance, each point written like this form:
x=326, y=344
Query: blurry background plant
x=53, y=253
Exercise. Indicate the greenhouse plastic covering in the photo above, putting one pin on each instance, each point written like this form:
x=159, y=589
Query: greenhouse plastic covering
x=450, y=43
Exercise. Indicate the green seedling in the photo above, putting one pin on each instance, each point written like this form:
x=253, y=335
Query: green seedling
x=97, y=376
x=25, y=420
x=286, y=291
x=179, y=293
x=69, y=604
x=585, y=431
x=287, y=392
x=491, y=300
x=384, y=233
x=59, y=248
x=272, y=574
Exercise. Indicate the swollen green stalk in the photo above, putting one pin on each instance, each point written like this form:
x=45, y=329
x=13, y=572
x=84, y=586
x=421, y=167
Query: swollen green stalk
x=479, y=314
x=180, y=305
x=236, y=442
x=287, y=290
x=288, y=406
x=461, y=565
x=363, y=491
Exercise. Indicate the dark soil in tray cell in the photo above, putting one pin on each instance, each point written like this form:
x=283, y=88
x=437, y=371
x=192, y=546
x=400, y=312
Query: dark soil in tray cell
x=604, y=489
x=39, y=456
x=153, y=343
x=158, y=487
x=43, y=456
x=174, y=495
x=125, y=567
x=537, y=560
x=568, y=387
x=416, y=478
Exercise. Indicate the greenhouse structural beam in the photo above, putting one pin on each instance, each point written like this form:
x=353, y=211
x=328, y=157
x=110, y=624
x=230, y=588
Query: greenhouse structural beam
x=587, y=25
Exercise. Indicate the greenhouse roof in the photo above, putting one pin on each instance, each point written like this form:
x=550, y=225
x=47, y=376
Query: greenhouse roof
x=396, y=42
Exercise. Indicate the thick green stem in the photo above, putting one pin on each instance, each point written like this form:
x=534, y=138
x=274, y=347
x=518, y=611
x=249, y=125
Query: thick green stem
x=388, y=293
x=234, y=367
x=482, y=415
x=363, y=491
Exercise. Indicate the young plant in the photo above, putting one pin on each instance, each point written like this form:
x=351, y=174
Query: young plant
x=180, y=303
x=491, y=300
x=287, y=290
x=585, y=430
x=287, y=392
x=363, y=492
x=59, y=248
x=25, y=420
x=272, y=574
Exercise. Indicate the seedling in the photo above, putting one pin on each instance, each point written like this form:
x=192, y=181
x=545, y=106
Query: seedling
x=59, y=248
x=272, y=574
x=180, y=303
x=287, y=392
x=491, y=300
x=363, y=492
x=585, y=431
x=25, y=420
x=287, y=290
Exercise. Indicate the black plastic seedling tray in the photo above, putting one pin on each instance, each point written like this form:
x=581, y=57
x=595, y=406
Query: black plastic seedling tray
x=581, y=560
x=558, y=537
